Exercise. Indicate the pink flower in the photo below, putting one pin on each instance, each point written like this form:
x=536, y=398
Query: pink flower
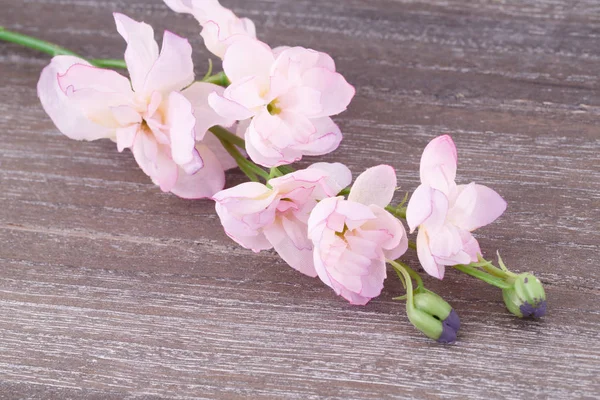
x=220, y=26
x=289, y=94
x=447, y=213
x=149, y=114
x=353, y=238
x=259, y=217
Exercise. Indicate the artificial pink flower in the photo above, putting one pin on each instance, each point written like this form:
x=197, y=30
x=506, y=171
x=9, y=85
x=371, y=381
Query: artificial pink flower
x=289, y=94
x=220, y=26
x=447, y=213
x=259, y=217
x=149, y=114
x=353, y=238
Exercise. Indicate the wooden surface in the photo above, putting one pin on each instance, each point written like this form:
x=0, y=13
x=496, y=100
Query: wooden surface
x=110, y=289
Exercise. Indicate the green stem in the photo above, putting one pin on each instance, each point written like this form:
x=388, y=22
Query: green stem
x=482, y=275
x=239, y=159
x=397, y=212
x=34, y=43
x=53, y=49
x=413, y=274
x=248, y=167
x=224, y=134
x=218, y=79
x=108, y=63
x=285, y=169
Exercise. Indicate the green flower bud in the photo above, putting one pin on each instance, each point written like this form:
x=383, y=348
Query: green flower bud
x=433, y=316
x=526, y=297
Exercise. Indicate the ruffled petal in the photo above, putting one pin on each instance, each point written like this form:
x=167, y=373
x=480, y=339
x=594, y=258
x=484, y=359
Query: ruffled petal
x=206, y=182
x=96, y=92
x=297, y=253
x=374, y=186
x=64, y=112
x=337, y=172
x=325, y=139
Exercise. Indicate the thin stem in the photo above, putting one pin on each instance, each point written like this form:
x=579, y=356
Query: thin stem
x=397, y=212
x=401, y=271
x=108, y=63
x=224, y=134
x=54, y=49
x=209, y=72
x=34, y=43
x=413, y=274
x=484, y=276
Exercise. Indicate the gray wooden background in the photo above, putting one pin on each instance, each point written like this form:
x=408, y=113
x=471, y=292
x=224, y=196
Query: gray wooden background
x=110, y=289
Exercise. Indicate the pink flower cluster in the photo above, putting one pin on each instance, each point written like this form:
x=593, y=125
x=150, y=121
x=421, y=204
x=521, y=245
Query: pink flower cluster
x=280, y=101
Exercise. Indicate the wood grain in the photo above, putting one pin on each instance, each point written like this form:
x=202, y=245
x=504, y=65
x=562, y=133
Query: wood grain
x=110, y=289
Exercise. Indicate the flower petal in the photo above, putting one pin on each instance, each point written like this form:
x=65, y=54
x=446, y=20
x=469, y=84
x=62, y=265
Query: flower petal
x=325, y=139
x=174, y=68
x=96, y=91
x=438, y=164
x=476, y=206
x=65, y=113
x=126, y=136
x=297, y=253
x=206, y=182
x=374, y=186
x=228, y=109
x=142, y=49
x=426, y=258
x=336, y=92
x=249, y=57
x=181, y=121
x=338, y=172
x=420, y=206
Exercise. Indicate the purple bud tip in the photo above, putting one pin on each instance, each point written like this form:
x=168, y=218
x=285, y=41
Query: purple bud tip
x=448, y=335
x=452, y=321
x=536, y=311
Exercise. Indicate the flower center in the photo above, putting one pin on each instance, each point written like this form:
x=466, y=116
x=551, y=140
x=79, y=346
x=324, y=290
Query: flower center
x=273, y=108
x=343, y=232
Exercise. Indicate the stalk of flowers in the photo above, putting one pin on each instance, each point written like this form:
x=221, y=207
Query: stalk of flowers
x=275, y=105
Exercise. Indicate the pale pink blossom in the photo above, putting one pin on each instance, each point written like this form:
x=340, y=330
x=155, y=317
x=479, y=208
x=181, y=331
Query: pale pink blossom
x=447, y=213
x=162, y=125
x=286, y=97
x=220, y=26
x=353, y=238
x=260, y=217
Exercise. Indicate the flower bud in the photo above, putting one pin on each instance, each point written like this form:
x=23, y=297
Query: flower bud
x=526, y=297
x=433, y=316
